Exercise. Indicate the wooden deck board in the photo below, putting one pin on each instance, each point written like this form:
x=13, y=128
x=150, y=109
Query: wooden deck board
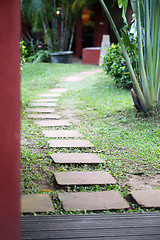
x=98, y=226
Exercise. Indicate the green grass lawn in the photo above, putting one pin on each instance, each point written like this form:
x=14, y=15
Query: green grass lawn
x=129, y=142
x=36, y=78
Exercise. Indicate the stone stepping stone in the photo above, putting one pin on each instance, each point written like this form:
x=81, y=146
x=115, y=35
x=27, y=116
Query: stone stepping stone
x=40, y=110
x=61, y=133
x=46, y=100
x=58, y=90
x=42, y=104
x=70, y=143
x=76, y=158
x=53, y=123
x=147, y=198
x=49, y=95
x=93, y=201
x=73, y=79
x=36, y=203
x=44, y=116
x=83, y=178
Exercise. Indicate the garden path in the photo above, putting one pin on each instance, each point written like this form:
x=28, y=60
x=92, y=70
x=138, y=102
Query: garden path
x=71, y=139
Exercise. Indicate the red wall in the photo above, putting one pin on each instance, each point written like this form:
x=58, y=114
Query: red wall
x=101, y=25
x=9, y=120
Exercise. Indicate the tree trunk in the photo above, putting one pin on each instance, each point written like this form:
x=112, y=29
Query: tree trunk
x=46, y=32
x=66, y=28
x=71, y=39
x=54, y=24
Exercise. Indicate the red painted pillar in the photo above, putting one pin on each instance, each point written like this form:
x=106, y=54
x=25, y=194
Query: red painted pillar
x=79, y=38
x=9, y=120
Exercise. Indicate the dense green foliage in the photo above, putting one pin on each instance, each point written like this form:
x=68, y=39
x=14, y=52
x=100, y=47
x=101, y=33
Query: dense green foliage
x=146, y=92
x=40, y=56
x=115, y=65
x=45, y=17
x=23, y=53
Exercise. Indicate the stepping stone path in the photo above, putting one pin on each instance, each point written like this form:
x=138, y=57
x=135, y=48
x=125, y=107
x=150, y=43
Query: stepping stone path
x=83, y=178
x=62, y=133
x=50, y=95
x=147, y=198
x=73, y=201
x=40, y=110
x=46, y=100
x=36, y=203
x=110, y=200
x=58, y=90
x=77, y=158
x=53, y=123
x=45, y=104
x=79, y=77
x=70, y=143
x=44, y=116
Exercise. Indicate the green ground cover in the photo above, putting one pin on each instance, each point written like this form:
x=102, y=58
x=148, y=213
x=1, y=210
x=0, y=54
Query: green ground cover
x=129, y=142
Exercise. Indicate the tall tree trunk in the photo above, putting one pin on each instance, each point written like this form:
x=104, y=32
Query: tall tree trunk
x=55, y=35
x=62, y=26
x=71, y=39
x=46, y=32
x=68, y=33
x=66, y=28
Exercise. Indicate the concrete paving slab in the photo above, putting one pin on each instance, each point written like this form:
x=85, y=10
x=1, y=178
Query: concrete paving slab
x=84, y=178
x=49, y=95
x=58, y=90
x=62, y=133
x=70, y=143
x=147, y=198
x=40, y=110
x=76, y=158
x=42, y=104
x=44, y=116
x=46, y=100
x=73, y=79
x=93, y=201
x=36, y=203
x=53, y=123
x=79, y=77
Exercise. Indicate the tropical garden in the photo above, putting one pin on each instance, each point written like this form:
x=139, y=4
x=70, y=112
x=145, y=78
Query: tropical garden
x=126, y=137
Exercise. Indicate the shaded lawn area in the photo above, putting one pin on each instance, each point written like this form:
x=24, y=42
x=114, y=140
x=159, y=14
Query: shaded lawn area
x=129, y=142
x=36, y=78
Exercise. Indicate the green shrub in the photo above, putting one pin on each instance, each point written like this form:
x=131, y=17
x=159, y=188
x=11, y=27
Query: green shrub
x=23, y=53
x=114, y=65
x=40, y=56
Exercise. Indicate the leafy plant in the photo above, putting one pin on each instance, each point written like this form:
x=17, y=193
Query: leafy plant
x=115, y=65
x=40, y=56
x=23, y=53
x=147, y=84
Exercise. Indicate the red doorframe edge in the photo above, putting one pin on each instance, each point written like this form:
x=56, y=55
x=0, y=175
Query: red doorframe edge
x=10, y=120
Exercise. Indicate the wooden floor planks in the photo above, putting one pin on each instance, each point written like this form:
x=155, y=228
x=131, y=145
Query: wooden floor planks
x=98, y=226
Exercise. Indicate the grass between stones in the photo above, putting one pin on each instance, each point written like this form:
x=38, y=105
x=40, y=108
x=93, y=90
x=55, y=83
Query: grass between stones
x=129, y=142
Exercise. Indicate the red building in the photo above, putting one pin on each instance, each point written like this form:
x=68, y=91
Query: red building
x=90, y=30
